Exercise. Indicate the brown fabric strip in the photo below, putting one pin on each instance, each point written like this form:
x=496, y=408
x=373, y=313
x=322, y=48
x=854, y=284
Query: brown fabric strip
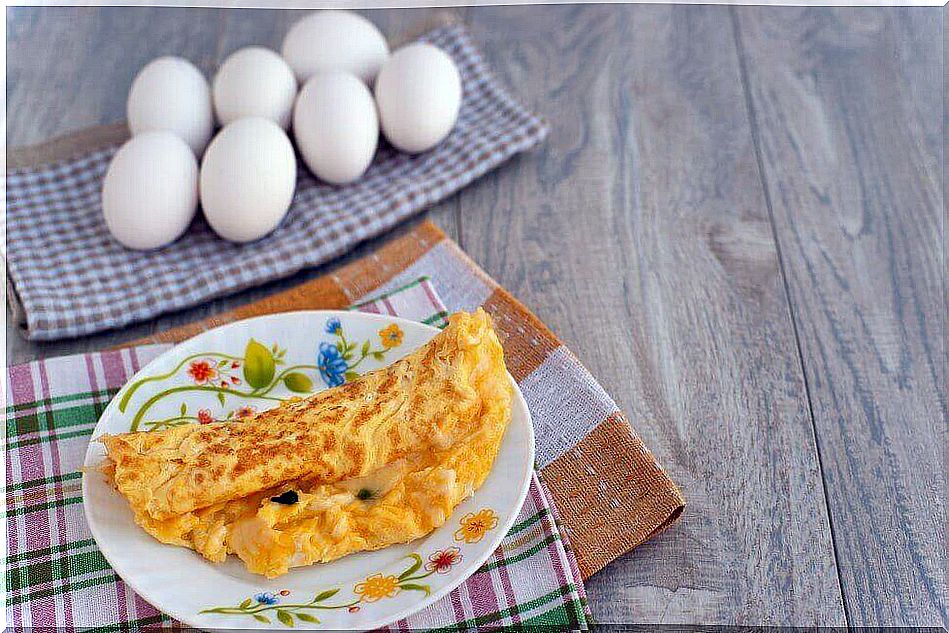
x=611, y=494
x=322, y=293
x=372, y=271
x=327, y=292
x=527, y=341
x=68, y=146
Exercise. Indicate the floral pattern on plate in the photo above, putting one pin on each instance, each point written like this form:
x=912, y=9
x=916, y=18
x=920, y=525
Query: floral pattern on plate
x=253, y=377
x=337, y=360
x=375, y=587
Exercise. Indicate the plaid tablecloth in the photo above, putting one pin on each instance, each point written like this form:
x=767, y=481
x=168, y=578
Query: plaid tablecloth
x=56, y=577
x=72, y=278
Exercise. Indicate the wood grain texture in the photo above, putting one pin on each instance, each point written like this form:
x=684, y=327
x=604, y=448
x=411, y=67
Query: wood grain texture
x=641, y=236
x=847, y=112
x=736, y=223
x=69, y=68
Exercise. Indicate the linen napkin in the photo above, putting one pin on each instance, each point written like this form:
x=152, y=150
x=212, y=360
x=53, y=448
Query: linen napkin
x=56, y=577
x=71, y=278
x=607, y=487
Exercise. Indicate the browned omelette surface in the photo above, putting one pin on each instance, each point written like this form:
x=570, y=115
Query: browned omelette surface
x=381, y=460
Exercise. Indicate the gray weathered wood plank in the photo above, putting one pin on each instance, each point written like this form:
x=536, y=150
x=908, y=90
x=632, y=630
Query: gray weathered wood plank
x=849, y=115
x=641, y=235
x=71, y=67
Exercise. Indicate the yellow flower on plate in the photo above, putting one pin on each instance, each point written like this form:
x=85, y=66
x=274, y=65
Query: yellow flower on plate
x=376, y=587
x=391, y=336
x=475, y=525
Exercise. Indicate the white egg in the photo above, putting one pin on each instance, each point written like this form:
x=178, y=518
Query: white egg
x=150, y=191
x=418, y=93
x=254, y=81
x=336, y=127
x=171, y=94
x=335, y=40
x=247, y=180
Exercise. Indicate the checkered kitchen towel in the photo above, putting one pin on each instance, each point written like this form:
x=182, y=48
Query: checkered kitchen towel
x=57, y=578
x=72, y=278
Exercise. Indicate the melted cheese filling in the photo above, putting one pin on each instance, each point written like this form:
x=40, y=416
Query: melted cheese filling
x=399, y=502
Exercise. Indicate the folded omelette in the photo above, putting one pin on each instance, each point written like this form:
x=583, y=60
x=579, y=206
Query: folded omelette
x=381, y=460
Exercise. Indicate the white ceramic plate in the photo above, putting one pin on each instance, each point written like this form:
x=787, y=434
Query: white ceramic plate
x=221, y=372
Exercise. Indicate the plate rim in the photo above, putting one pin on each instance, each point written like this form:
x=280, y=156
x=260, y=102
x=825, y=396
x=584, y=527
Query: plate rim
x=490, y=544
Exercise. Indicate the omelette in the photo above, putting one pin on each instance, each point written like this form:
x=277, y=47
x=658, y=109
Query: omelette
x=380, y=460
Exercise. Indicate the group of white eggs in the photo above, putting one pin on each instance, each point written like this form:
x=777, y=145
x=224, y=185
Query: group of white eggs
x=247, y=174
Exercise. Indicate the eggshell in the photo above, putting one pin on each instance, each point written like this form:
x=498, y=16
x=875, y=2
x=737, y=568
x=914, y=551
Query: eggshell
x=335, y=40
x=335, y=126
x=171, y=94
x=418, y=94
x=150, y=190
x=254, y=81
x=247, y=179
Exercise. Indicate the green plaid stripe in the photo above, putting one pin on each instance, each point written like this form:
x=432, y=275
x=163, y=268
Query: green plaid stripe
x=125, y=627
x=415, y=283
x=519, y=557
x=48, y=424
x=526, y=523
x=43, y=505
x=47, y=552
x=559, y=598
x=42, y=578
x=102, y=395
x=44, y=481
x=439, y=319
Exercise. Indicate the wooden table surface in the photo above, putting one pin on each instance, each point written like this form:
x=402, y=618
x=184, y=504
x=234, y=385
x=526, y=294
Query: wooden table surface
x=737, y=223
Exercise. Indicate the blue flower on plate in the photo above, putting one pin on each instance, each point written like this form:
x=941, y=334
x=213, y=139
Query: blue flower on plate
x=331, y=364
x=266, y=598
x=333, y=326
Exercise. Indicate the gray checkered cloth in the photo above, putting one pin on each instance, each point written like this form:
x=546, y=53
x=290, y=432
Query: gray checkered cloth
x=72, y=278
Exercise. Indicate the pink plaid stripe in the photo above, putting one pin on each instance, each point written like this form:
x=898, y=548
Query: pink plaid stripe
x=56, y=576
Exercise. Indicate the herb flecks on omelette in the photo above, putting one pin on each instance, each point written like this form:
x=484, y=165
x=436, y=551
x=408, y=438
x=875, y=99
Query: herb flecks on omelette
x=377, y=461
x=287, y=498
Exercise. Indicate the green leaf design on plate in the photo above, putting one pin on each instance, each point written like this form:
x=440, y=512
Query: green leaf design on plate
x=259, y=365
x=351, y=375
x=220, y=397
x=413, y=587
x=326, y=595
x=297, y=382
x=285, y=618
x=414, y=568
x=246, y=603
x=365, y=347
x=184, y=408
x=306, y=617
x=261, y=618
x=378, y=355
